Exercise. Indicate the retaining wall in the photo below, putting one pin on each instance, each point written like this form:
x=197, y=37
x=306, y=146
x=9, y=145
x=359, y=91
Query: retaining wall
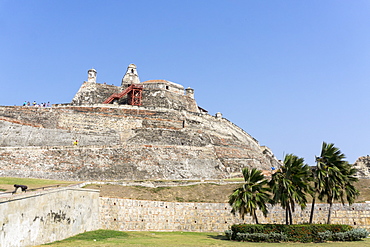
x=40, y=217
x=140, y=215
x=123, y=143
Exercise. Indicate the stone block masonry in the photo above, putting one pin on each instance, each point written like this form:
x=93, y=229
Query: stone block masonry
x=130, y=162
x=123, y=142
x=35, y=218
x=140, y=215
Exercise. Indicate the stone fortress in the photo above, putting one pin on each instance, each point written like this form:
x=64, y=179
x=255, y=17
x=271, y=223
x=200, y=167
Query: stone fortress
x=138, y=130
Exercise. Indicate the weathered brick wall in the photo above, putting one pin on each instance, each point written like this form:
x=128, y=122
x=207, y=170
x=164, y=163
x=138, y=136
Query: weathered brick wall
x=168, y=99
x=362, y=164
x=34, y=218
x=153, y=96
x=123, y=142
x=94, y=93
x=130, y=162
x=64, y=212
x=139, y=215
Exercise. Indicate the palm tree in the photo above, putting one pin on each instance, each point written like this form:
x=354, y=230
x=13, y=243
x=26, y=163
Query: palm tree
x=290, y=184
x=334, y=178
x=252, y=195
x=350, y=192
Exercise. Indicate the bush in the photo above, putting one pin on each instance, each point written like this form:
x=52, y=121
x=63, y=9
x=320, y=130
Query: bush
x=295, y=233
x=261, y=237
x=353, y=235
x=325, y=236
x=229, y=234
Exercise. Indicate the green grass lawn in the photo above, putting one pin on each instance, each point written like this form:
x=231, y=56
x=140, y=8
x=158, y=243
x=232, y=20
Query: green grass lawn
x=6, y=183
x=32, y=181
x=109, y=238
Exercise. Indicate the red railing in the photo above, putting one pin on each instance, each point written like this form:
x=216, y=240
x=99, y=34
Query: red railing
x=135, y=95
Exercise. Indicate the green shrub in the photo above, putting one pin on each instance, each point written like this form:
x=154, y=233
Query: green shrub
x=295, y=233
x=261, y=237
x=277, y=237
x=229, y=234
x=325, y=236
x=352, y=235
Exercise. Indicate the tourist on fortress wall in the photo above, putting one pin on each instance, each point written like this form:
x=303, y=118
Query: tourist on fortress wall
x=27, y=103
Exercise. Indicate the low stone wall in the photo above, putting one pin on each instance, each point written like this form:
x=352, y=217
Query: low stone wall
x=40, y=217
x=139, y=215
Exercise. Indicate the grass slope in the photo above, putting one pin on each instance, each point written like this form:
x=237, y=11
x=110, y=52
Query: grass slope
x=7, y=183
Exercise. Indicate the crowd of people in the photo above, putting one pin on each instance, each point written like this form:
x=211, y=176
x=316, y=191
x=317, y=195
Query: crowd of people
x=27, y=103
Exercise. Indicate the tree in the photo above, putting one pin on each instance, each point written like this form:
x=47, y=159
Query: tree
x=252, y=195
x=333, y=178
x=290, y=184
x=316, y=177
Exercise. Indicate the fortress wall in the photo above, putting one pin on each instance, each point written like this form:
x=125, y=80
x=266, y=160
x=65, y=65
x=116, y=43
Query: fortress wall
x=362, y=164
x=154, y=95
x=168, y=99
x=94, y=93
x=131, y=162
x=40, y=217
x=36, y=218
x=88, y=121
x=128, y=162
x=140, y=215
x=123, y=142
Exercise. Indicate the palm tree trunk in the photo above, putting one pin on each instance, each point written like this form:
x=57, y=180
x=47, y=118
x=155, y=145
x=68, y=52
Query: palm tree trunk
x=329, y=214
x=287, y=214
x=255, y=217
x=312, y=209
x=290, y=215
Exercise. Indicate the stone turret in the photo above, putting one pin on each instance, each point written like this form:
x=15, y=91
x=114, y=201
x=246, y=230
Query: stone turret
x=91, y=75
x=131, y=76
x=190, y=92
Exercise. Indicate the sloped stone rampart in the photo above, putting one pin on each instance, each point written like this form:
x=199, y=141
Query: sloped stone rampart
x=36, y=218
x=110, y=163
x=140, y=215
x=123, y=142
x=362, y=164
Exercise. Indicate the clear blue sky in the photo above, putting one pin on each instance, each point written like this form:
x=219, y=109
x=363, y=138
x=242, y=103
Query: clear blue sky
x=290, y=73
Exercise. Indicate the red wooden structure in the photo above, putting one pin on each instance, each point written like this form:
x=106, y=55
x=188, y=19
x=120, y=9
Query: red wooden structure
x=134, y=92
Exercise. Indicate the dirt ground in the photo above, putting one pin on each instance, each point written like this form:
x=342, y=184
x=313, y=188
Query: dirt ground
x=203, y=192
x=172, y=191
